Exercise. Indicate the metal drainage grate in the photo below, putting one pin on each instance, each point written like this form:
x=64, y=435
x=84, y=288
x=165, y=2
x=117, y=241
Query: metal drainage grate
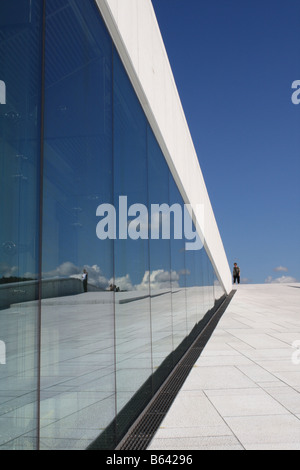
x=142, y=432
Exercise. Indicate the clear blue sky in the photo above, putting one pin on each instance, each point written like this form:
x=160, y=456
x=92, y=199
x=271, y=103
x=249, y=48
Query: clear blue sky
x=234, y=62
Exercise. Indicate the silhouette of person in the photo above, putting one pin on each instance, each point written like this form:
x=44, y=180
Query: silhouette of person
x=85, y=279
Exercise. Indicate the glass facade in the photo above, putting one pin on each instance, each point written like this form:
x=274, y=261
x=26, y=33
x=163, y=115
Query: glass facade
x=80, y=359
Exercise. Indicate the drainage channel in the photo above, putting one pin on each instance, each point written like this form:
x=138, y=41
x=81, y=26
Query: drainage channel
x=143, y=430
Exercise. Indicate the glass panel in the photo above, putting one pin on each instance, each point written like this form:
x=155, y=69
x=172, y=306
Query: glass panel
x=78, y=375
x=193, y=300
x=132, y=301
x=20, y=130
x=199, y=269
x=178, y=269
x=219, y=292
x=207, y=283
x=211, y=283
x=119, y=296
x=160, y=260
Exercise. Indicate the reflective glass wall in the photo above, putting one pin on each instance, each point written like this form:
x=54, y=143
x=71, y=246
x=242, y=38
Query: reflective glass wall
x=97, y=298
x=21, y=55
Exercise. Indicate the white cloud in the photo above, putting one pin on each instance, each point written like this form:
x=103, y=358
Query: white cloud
x=281, y=268
x=7, y=271
x=280, y=280
x=159, y=279
x=123, y=283
x=65, y=270
x=69, y=269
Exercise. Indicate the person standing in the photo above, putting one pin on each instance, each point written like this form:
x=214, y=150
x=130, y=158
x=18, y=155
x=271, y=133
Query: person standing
x=85, y=280
x=236, y=273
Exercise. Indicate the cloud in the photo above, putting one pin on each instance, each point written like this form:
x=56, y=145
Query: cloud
x=123, y=283
x=69, y=269
x=159, y=279
x=7, y=271
x=280, y=280
x=281, y=268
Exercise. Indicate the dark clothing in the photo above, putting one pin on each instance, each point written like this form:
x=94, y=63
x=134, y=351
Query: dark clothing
x=85, y=281
x=236, y=274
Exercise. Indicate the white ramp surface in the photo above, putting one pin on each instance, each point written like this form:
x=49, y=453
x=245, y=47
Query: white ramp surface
x=244, y=391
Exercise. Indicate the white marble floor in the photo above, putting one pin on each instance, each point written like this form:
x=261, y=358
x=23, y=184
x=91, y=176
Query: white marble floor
x=244, y=391
x=88, y=373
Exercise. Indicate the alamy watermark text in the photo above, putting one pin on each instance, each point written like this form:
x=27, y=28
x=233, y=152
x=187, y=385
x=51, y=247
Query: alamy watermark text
x=136, y=223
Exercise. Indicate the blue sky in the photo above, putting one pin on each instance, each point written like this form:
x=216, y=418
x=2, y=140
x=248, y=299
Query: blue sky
x=234, y=62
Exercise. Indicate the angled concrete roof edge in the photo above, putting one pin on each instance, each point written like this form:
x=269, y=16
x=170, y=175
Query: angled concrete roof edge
x=136, y=35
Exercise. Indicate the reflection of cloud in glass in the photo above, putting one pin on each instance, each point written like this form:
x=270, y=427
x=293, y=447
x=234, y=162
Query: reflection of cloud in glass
x=123, y=283
x=69, y=269
x=157, y=279
x=7, y=271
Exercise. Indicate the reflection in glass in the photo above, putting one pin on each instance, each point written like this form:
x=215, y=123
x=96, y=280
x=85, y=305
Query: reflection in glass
x=178, y=269
x=115, y=314
x=131, y=251
x=20, y=132
x=160, y=260
x=192, y=297
x=218, y=289
x=199, y=274
x=210, y=283
x=78, y=377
